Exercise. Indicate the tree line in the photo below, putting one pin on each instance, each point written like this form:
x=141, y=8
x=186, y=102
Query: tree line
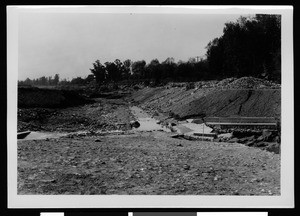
x=251, y=46
x=49, y=81
x=42, y=81
x=248, y=47
x=155, y=71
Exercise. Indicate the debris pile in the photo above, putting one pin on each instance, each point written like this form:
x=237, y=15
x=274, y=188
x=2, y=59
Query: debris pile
x=229, y=83
x=251, y=83
x=266, y=139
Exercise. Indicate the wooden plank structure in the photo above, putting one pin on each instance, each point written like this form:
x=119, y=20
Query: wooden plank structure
x=240, y=122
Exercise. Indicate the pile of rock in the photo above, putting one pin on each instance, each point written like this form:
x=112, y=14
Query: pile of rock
x=251, y=83
x=206, y=84
x=225, y=82
x=268, y=140
x=230, y=83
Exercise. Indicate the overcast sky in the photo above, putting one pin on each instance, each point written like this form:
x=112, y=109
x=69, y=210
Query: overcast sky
x=68, y=43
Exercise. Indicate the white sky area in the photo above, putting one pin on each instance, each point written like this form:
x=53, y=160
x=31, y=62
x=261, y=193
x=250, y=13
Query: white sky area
x=68, y=43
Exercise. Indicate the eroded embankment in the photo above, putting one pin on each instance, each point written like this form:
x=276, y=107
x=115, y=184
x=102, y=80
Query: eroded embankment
x=184, y=103
x=38, y=111
x=49, y=98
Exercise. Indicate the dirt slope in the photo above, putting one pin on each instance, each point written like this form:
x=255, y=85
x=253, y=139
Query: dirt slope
x=211, y=102
x=225, y=103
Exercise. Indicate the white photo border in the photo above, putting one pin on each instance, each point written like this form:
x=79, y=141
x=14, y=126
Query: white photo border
x=285, y=200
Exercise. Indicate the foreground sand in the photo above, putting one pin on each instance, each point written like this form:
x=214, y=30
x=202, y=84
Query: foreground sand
x=144, y=163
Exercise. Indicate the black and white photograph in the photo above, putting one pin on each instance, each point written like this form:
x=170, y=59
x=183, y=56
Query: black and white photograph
x=120, y=103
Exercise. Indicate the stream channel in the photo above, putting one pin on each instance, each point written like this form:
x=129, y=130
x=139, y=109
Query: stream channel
x=147, y=123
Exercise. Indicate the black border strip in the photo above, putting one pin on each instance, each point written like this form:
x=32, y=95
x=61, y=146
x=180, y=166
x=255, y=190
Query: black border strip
x=124, y=211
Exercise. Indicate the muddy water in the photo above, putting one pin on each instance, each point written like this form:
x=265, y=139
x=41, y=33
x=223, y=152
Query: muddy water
x=146, y=122
x=36, y=135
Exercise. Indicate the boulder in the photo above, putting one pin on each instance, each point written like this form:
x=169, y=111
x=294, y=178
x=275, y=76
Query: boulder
x=225, y=135
x=260, y=139
x=250, y=143
x=267, y=135
x=246, y=139
x=134, y=124
x=273, y=147
x=261, y=144
x=186, y=167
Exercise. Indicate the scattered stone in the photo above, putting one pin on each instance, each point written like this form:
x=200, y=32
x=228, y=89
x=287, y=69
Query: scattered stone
x=266, y=136
x=48, y=180
x=260, y=138
x=243, y=140
x=250, y=143
x=273, y=147
x=186, y=167
x=261, y=144
x=205, y=175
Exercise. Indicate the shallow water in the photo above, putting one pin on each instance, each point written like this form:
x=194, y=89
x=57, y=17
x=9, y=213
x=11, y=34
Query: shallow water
x=146, y=122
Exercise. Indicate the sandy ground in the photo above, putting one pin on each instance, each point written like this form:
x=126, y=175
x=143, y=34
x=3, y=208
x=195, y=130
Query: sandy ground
x=145, y=163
